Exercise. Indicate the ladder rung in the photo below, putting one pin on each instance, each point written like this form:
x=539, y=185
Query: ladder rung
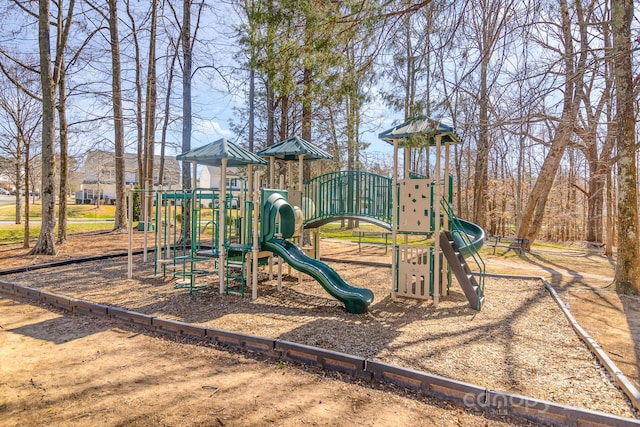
x=192, y=289
x=191, y=273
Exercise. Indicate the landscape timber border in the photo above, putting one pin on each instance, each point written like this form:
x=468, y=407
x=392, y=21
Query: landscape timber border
x=460, y=393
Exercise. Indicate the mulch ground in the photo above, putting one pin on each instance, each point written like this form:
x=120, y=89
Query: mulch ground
x=520, y=342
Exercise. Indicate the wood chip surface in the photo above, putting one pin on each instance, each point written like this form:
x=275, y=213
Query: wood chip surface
x=520, y=342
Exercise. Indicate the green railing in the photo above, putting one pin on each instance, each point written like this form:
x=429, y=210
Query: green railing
x=204, y=217
x=468, y=246
x=348, y=193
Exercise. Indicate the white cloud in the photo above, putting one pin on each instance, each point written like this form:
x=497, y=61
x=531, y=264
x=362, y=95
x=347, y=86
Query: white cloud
x=208, y=130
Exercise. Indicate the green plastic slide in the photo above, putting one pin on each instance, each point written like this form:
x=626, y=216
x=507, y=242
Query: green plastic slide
x=476, y=236
x=355, y=300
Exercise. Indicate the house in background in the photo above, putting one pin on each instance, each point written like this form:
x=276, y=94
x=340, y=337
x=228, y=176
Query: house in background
x=99, y=181
x=210, y=178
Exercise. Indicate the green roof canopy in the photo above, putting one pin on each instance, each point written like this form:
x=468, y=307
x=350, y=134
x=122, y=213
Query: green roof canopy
x=213, y=153
x=292, y=148
x=419, y=132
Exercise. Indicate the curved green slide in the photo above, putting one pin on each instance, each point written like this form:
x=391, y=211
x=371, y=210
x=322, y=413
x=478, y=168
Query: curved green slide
x=355, y=300
x=474, y=232
x=274, y=206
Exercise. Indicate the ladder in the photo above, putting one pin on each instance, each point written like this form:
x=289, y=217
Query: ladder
x=472, y=289
x=189, y=273
x=235, y=268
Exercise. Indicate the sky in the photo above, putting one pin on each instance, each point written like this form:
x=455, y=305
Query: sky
x=217, y=110
x=213, y=104
x=215, y=107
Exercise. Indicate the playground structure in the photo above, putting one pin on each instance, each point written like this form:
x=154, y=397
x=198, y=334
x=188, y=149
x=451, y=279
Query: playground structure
x=422, y=205
x=269, y=221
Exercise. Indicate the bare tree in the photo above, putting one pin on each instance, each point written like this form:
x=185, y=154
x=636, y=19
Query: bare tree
x=491, y=24
x=150, y=106
x=173, y=54
x=187, y=65
x=19, y=122
x=627, y=277
x=532, y=215
x=118, y=118
x=46, y=244
x=597, y=141
x=133, y=29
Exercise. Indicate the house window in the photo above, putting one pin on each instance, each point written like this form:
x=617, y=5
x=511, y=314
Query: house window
x=107, y=175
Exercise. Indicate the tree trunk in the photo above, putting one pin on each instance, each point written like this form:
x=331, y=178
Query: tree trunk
x=59, y=78
x=270, y=115
x=150, y=110
x=120, y=222
x=595, y=206
x=533, y=214
x=482, y=157
x=167, y=117
x=64, y=155
x=27, y=235
x=45, y=244
x=599, y=164
x=18, y=189
x=138, y=82
x=284, y=118
x=627, y=276
x=608, y=250
x=185, y=36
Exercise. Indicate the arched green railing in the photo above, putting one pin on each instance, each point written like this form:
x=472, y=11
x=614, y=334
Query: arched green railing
x=344, y=194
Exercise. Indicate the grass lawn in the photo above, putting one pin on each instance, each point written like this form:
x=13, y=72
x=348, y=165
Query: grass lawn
x=8, y=212
x=14, y=233
x=335, y=231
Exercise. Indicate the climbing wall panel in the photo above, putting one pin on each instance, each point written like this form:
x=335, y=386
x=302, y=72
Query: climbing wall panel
x=415, y=204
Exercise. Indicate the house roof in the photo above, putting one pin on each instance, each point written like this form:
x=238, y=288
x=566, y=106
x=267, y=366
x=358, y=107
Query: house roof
x=292, y=148
x=419, y=132
x=213, y=153
x=107, y=158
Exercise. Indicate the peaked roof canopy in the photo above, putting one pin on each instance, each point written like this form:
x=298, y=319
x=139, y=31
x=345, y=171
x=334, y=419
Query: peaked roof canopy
x=419, y=132
x=292, y=148
x=213, y=153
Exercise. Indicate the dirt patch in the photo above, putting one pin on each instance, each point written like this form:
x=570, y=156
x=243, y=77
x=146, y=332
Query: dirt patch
x=61, y=369
x=520, y=341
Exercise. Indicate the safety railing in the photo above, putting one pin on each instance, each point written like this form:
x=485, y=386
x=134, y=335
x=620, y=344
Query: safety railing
x=348, y=193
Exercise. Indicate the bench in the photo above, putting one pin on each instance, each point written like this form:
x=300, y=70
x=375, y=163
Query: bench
x=596, y=246
x=521, y=245
x=372, y=234
x=517, y=244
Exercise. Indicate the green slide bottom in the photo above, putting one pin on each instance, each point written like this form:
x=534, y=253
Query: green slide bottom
x=355, y=300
